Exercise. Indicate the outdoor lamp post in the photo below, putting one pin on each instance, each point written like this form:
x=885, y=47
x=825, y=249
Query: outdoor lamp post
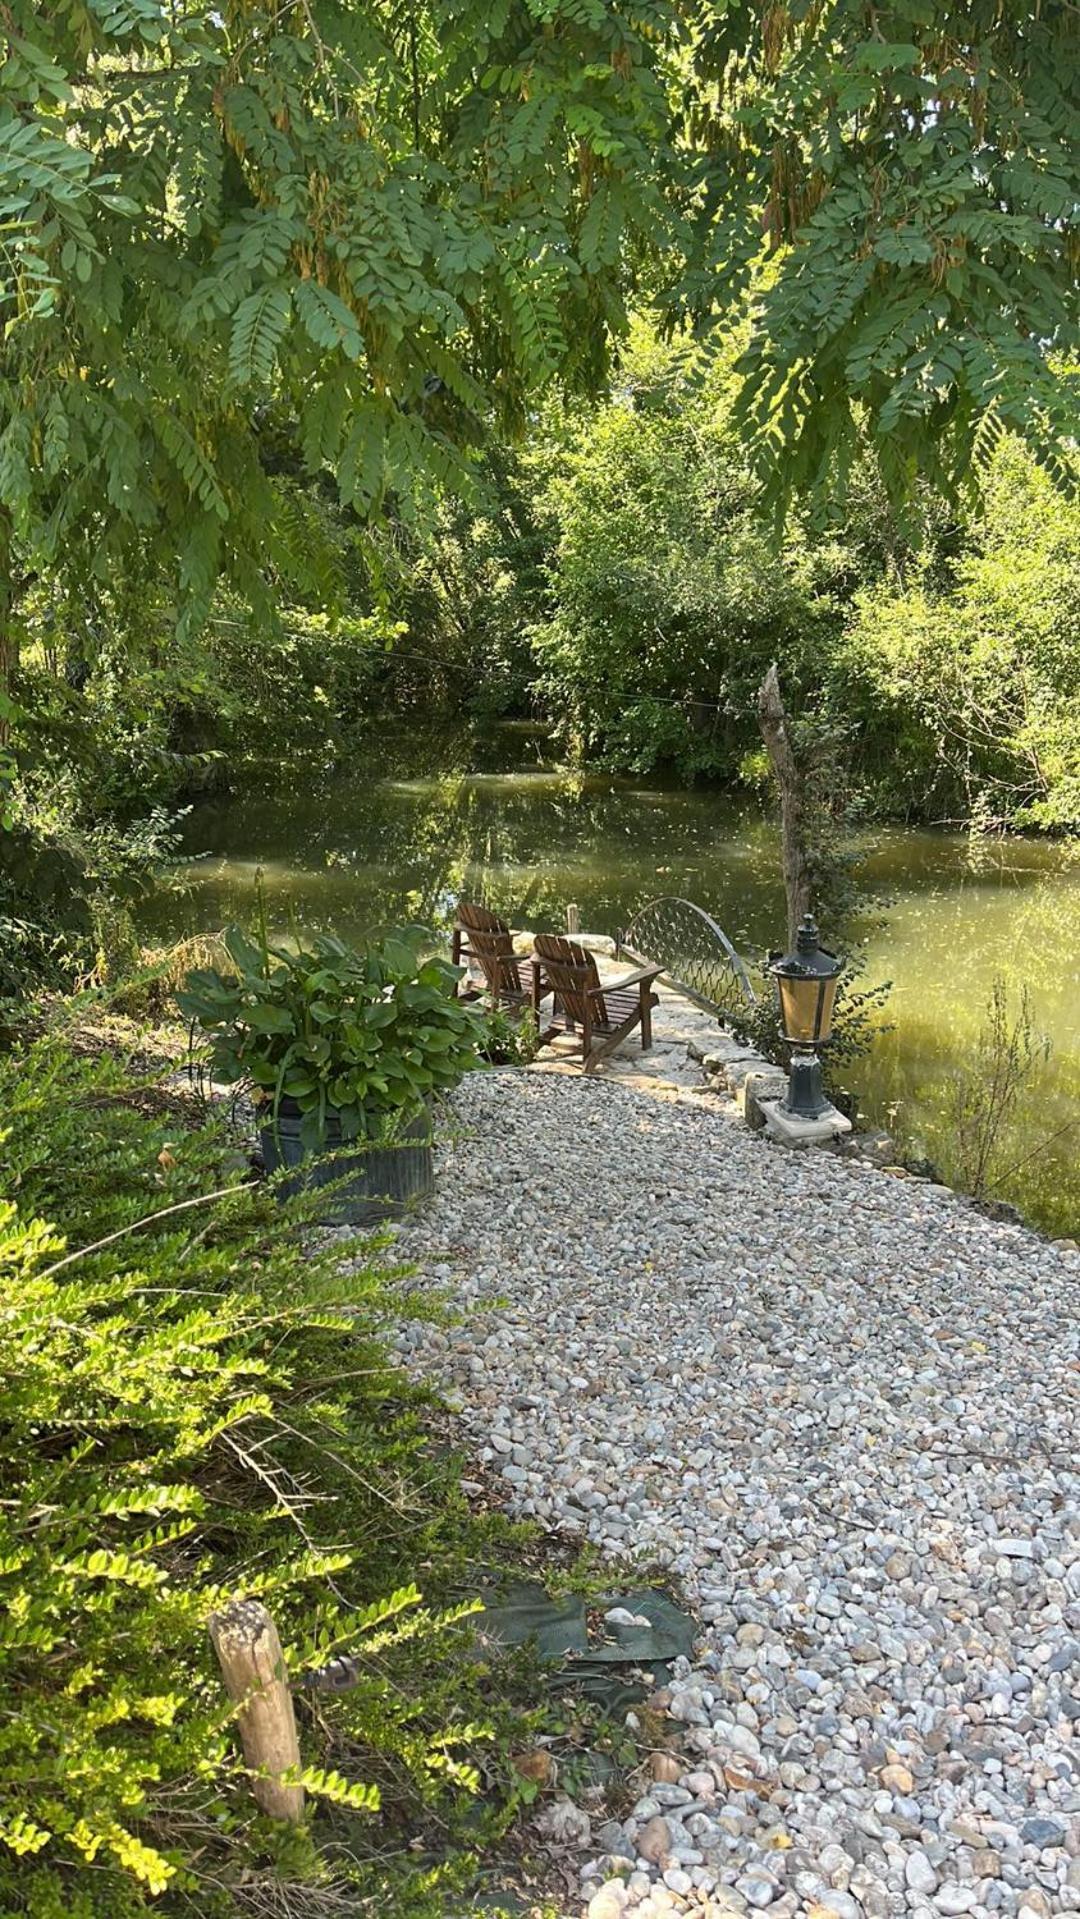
x=806, y=985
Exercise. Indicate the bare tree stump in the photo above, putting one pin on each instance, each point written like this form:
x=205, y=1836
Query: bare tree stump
x=573, y=919
x=772, y=720
x=249, y=1653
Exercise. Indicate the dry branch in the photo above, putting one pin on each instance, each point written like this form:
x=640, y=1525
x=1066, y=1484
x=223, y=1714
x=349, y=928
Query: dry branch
x=772, y=720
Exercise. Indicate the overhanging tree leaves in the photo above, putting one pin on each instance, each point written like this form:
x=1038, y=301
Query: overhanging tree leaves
x=393, y=220
x=915, y=165
x=372, y=217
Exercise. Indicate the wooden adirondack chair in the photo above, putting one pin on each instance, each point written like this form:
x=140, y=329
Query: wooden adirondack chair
x=481, y=935
x=606, y=1014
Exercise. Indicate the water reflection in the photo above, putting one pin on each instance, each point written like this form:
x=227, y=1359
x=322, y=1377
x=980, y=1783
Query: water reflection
x=1011, y=911
x=413, y=822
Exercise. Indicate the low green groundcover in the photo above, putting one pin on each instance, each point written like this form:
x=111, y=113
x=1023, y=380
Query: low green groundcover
x=191, y=1409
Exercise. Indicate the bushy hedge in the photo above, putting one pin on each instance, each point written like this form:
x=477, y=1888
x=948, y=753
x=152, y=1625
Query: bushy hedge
x=193, y=1403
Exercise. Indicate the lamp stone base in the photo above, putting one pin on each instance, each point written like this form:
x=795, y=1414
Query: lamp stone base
x=791, y=1130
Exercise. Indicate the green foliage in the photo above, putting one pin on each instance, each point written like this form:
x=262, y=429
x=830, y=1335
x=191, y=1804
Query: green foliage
x=935, y=660
x=375, y=223
x=917, y=163
x=966, y=687
x=67, y=887
x=399, y=226
x=139, y=714
x=509, y=1041
x=970, y=1135
x=669, y=598
x=368, y=1037
x=468, y=586
x=194, y=1404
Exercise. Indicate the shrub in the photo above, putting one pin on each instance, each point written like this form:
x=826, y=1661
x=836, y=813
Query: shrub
x=370, y=1037
x=509, y=1039
x=984, y=1091
x=194, y=1403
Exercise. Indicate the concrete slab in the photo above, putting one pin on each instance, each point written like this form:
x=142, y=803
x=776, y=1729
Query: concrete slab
x=790, y=1130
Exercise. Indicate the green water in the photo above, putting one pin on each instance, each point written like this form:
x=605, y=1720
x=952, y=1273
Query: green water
x=411, y=824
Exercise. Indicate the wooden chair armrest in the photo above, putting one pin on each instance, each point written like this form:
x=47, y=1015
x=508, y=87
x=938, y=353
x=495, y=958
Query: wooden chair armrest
x=642, y=978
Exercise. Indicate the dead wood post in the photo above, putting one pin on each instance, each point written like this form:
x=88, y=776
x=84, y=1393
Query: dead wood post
x=773, y=722
x=249, y=1653
x=573, y=920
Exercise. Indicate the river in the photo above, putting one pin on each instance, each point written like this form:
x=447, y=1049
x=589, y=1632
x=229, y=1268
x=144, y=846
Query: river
x=415, y=821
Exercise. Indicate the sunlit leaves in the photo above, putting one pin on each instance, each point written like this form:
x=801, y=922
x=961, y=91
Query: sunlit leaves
x=920, y=178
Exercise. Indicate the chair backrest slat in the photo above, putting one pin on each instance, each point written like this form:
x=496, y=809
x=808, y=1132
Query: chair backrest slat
x=571, y=969
x=479, y=919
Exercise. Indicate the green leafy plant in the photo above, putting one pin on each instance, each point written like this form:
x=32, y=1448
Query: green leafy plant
x=367, y=1037
x=509, y=1041
x=195, y=1404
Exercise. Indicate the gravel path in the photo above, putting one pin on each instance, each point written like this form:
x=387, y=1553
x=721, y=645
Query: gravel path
x=840, y=1407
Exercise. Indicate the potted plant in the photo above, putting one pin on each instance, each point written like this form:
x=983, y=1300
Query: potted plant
x=344, y=1049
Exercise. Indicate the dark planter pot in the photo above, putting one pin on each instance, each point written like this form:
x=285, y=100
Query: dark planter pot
x=378, y=1182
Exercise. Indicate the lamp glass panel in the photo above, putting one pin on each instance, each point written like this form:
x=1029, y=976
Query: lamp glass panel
x=798, y=1007
x=825, y=1015
x=806, y=1008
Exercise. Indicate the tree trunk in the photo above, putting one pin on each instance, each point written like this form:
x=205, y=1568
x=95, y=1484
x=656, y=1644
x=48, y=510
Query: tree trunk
x=792, y=787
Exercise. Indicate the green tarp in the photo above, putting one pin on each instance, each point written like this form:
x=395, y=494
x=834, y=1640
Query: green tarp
x=609, y=1670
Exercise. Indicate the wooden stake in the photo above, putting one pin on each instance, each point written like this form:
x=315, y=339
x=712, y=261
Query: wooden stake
x=573, y=919
x=249, y=1653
